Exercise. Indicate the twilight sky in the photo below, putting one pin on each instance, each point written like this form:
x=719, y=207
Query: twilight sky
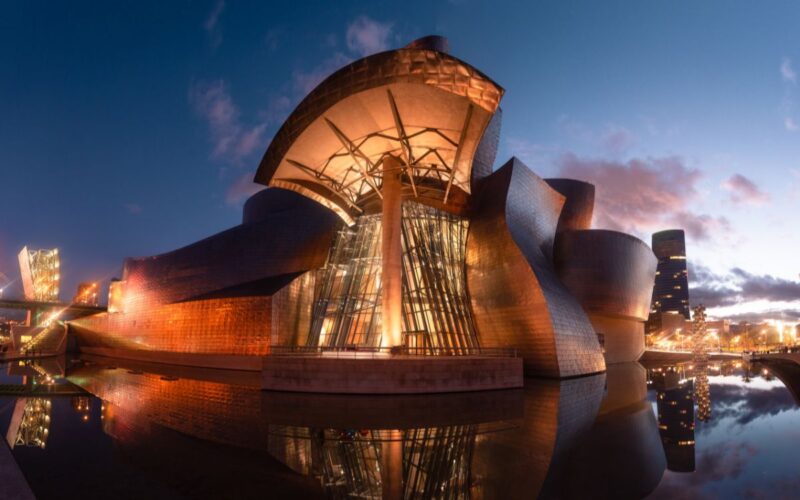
x=133, y=129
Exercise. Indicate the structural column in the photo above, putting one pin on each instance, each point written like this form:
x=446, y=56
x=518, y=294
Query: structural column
x=391, y=254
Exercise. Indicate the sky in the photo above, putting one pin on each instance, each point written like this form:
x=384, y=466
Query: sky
x=131, y=129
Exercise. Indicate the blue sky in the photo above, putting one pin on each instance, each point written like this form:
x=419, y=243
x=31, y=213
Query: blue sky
x=132, y=129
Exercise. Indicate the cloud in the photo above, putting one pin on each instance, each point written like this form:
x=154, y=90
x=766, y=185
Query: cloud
x=212, y=22
x=232, y=140
x=789, y=78
x=726, y=461
x=133, y=208
x=787, y=72
x=366, y=36
x=644, y=195
x=617, y=140
x=745, y=404
x=738, y=286
x=744, y=191
x=242, y=188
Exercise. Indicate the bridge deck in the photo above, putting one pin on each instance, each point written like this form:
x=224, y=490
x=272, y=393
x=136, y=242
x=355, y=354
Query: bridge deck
x=74, y=309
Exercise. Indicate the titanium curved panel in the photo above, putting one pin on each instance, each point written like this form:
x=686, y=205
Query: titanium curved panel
x=611, y=273
x=276, y=245
x=483, y=161
x=578, y=209
x=270, y=201
x=516, y=295
x=409, y=65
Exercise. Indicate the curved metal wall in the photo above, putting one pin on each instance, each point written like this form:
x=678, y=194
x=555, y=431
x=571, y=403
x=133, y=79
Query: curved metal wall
x=610, y=273
x=516, y=296
x=282, y=243
x=486, y=153
x=579, y=204
x=270, y=201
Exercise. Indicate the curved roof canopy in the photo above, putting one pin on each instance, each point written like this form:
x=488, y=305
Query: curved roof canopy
x=422, y=106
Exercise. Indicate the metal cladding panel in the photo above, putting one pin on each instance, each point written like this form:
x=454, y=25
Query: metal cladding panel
x=291, y=311
x=236, y=326
x=27, y=276
x=516, y=296
x=485, y=155
x=411, y=66
x=286, y=242
x=266, y=203
x=610, y=273
x=579, y=206
x=423, y=106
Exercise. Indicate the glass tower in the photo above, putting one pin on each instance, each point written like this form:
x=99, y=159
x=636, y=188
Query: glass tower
x=671, y=290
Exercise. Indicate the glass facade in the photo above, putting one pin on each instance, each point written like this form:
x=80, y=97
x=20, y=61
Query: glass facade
x=436, y=313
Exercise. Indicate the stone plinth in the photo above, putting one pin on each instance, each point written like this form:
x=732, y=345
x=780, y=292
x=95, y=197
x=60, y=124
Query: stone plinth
x=390, y=374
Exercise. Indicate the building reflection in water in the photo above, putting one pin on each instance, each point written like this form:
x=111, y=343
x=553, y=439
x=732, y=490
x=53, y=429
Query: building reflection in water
x=30, y=423
x=588, y=437
x=30, y=419
x=621, y=455
x=702, y=393
x=83, y=406
x=675, y=406
x=430, y=462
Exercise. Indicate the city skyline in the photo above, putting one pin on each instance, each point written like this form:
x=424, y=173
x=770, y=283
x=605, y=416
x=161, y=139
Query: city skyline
x=153, y=131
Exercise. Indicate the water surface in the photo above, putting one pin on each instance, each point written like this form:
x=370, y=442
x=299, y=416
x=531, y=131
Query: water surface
x=114, y=429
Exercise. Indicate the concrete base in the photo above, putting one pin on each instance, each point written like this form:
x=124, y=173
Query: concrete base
x=223, y=361
x=390, y=375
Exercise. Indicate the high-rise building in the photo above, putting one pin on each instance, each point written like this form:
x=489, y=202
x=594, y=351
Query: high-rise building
x=86, y=294
x=671, y=290
x=40, y=274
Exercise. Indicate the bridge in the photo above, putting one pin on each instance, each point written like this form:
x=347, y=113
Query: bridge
x=36, y=308
x=75, y=310
x=785, y=366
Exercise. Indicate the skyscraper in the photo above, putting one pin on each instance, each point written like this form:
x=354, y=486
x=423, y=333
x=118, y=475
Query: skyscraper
x=40, y=274
x=671, y=290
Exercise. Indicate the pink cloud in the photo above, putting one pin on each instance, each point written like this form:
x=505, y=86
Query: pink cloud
x=641, y=196
x=212, y=22
x=744, y=191
x=231, y=139
x=617, y=140
x=366, y=36
x=241, y=189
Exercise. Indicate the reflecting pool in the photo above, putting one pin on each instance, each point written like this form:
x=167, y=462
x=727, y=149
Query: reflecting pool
x=101, y=428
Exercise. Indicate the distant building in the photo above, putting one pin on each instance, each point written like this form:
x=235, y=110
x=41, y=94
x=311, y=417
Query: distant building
x=40, y=274
x=86, y=294
x=671, y=290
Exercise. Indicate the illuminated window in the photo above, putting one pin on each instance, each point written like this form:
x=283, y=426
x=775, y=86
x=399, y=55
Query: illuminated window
x=436, y=312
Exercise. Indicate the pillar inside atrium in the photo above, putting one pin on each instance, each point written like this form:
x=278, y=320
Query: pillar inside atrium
x=391, y=254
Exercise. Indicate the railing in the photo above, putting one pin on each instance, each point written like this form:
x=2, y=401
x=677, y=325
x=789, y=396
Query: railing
x=382, y=352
